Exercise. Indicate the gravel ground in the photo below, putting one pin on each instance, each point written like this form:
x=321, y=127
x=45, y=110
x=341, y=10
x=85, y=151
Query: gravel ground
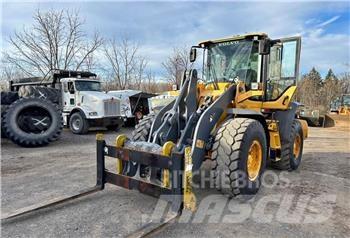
x=310, y=202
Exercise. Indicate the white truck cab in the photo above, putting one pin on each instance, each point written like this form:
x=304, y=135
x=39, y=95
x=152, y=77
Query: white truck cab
x=85, y=105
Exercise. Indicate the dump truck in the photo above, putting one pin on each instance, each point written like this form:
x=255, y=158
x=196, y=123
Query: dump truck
x=36, y=109
x=240, y=115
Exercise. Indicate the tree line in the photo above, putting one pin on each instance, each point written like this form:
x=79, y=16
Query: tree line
x=319, y=93
x=57, y=40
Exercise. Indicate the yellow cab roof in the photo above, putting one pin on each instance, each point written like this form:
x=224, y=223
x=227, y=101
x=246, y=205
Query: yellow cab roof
x=235, y=37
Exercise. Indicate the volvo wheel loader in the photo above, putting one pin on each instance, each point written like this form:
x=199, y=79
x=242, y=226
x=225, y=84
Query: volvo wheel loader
x=240, y=115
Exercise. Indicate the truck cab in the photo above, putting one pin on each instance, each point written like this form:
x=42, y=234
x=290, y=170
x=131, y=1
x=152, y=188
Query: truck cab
x=85, y=105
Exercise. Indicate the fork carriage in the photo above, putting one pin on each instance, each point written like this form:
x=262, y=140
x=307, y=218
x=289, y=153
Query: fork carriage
x=173, y=162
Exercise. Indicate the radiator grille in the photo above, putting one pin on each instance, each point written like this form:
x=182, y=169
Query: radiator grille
x=112, y=108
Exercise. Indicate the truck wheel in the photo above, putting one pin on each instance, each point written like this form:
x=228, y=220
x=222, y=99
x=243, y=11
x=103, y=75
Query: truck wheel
x=78, y=124
x=239, y=156
x=32, y=122
x=292, y=150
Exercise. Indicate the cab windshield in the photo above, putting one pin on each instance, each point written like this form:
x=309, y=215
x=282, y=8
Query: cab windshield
x=231, y=61
x=82, y=85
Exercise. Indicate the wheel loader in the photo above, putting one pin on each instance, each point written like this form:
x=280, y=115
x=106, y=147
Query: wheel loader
x=240, y=115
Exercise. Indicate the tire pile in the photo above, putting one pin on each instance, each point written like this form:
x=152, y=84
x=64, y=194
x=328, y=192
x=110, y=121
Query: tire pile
x=32, y=116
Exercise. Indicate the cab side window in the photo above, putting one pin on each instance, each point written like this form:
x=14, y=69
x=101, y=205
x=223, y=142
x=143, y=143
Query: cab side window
x=71, y=87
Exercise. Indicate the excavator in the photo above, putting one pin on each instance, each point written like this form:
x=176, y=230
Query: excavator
x=240, y=115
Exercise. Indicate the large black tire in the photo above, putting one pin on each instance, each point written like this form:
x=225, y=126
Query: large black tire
x=8, y=98
x=47, y=93
x=143, y=128
x=289, y=160
x=32, y=122
x=3, y=112
x=233, y=141
x=78, y=124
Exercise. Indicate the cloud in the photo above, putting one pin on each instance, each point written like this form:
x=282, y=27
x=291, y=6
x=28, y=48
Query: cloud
x=333, y=19
x=160, y=26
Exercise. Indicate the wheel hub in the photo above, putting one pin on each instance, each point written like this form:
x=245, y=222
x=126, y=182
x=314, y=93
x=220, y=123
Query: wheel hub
x=254, y=160
x=76, y=124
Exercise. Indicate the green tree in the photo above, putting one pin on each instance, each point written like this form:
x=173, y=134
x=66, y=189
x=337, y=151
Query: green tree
x=330, y=75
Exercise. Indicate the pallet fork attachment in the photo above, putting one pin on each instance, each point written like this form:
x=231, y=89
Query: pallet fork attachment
x=175, y=188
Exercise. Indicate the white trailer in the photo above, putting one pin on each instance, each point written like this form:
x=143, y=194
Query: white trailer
x=134, y=104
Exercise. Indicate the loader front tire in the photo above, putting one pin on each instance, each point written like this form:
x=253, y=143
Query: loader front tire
x=239, y=156
x=143, y=128
x=140, y=133
x=291, y=150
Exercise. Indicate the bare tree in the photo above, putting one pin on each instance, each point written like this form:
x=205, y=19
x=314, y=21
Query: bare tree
x=344, y=79
x=56, y=40
x=176, y=64
x=127, y=67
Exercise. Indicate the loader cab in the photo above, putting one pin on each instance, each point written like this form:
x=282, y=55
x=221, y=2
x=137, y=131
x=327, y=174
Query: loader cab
x=261, y=64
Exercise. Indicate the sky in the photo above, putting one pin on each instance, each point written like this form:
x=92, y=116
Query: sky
x=159, y=26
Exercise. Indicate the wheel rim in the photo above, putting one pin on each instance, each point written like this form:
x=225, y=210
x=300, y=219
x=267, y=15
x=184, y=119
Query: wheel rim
x=254, y=160
x=297, y=146
x=76, y=124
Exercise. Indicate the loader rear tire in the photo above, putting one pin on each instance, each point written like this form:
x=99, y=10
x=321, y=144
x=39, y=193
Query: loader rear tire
x=291, y=150
x=239, y=156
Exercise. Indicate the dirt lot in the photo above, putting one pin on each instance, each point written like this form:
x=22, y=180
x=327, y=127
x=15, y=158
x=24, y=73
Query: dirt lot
x=311, y=202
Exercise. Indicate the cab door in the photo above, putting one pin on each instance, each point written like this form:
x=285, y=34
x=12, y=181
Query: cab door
x=283, y=67
x=68, y=96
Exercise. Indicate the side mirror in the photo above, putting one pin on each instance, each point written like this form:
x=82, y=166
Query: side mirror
x=193, y=54
x=264, y=46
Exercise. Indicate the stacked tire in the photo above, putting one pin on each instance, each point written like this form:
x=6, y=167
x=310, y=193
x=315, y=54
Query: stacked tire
x=31, y=121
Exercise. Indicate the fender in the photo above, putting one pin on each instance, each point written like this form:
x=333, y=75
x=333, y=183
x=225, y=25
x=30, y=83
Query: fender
x=247, y=113
x=78, y=109
x=285, y=119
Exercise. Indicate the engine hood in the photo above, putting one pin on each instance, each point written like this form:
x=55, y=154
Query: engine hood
x=97, y=95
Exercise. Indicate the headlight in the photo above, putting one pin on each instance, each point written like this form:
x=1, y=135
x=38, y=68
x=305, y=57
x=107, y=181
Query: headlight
x=92, y=113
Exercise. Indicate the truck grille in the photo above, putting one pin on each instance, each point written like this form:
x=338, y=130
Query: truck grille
x=112, y=108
